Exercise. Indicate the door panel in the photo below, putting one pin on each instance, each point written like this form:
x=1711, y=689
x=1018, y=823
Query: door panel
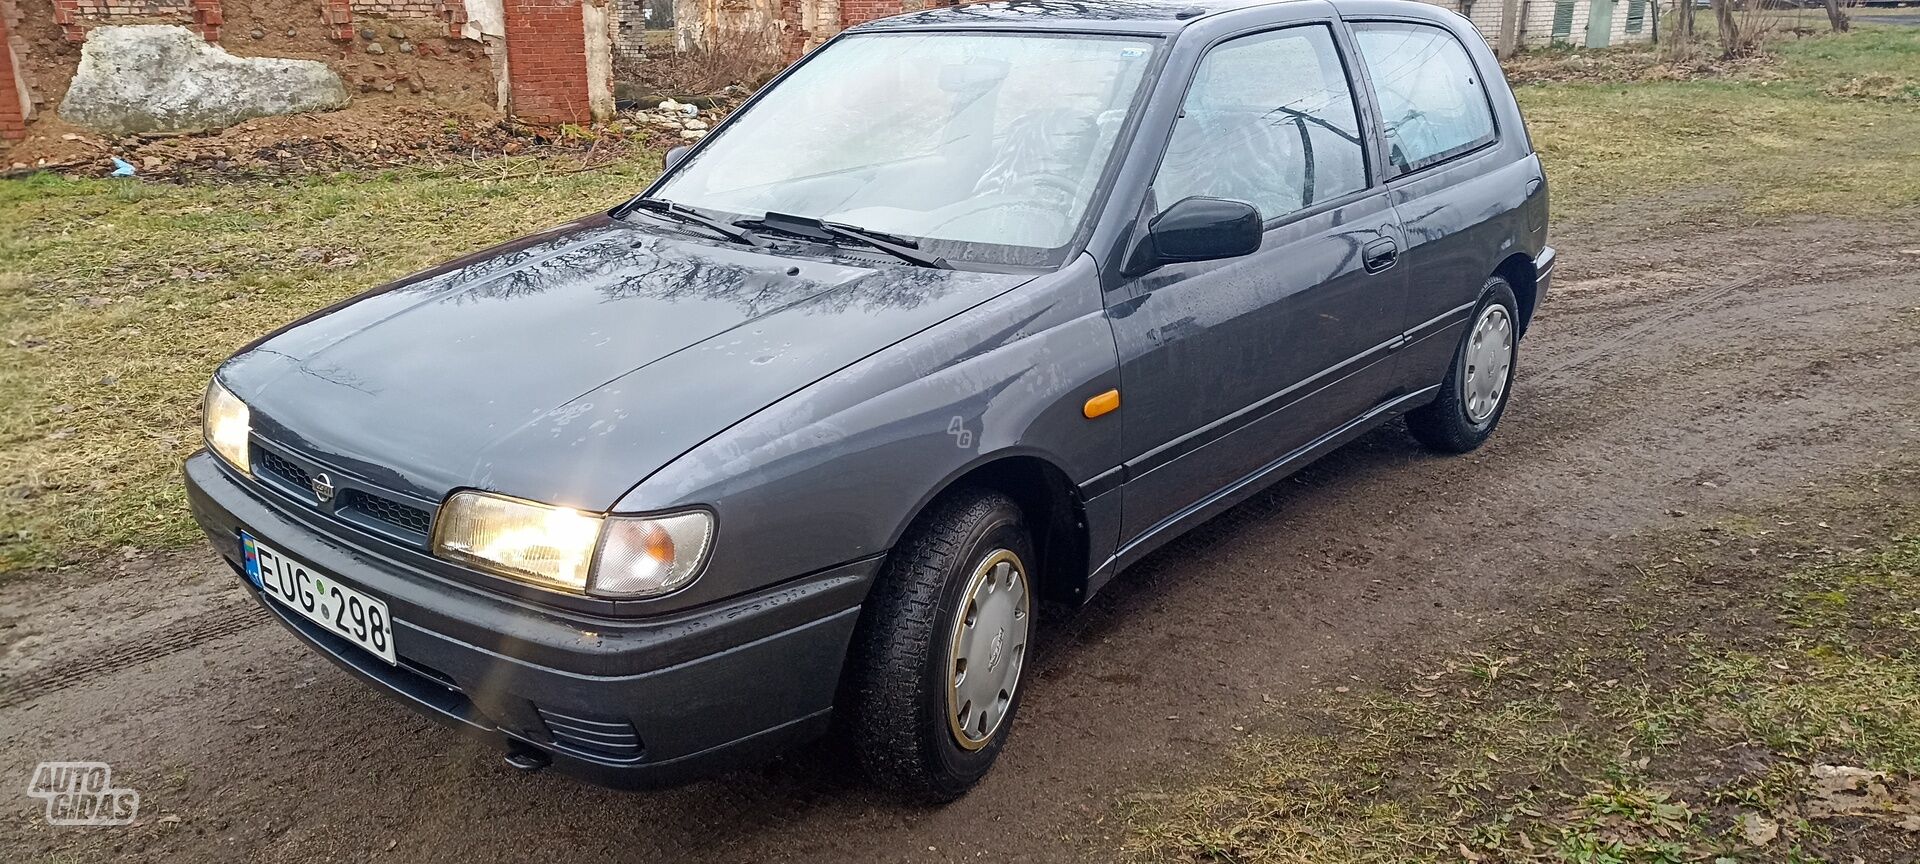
x=1226, y=366
x=1599, y=23
x=1460, y=221
x=1457, y=191
x=1284, y=344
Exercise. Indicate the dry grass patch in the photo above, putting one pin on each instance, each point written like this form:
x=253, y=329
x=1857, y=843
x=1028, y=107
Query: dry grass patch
x=118, y=298
x=1751, y=698
x=1829, y=125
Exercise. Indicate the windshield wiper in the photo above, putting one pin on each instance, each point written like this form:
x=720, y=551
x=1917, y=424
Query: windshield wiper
x=674, y=211
x=821, y=231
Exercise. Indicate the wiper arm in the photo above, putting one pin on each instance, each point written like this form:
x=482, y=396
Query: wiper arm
x=822, y=231
x=674, y=211
x=899, y=247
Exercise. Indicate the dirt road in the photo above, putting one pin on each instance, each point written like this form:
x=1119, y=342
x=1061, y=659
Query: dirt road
x=1666, y=381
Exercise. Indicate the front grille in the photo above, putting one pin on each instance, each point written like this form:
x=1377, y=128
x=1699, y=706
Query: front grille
x=615, y=738
x=391, y=512
x=283, y=469
x=353, y=501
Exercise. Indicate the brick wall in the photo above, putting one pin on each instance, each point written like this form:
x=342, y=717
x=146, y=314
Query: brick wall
x=861, y=11
x=207, y=18
x=126, y=8
x=629, y=31
x=397, y=8
x=13, y=107
x=76, y=17
x=809, y=23
x=339, y=17
x=547, y=61
x=340, y=14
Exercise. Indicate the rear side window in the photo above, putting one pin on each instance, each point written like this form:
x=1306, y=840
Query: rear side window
x=1431, y=98
x=1269, y=121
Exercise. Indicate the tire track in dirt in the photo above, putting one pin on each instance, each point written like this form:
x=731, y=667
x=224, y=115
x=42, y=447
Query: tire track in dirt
x=188, y=635
x=1692, y=305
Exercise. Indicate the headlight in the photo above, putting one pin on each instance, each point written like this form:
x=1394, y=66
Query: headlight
x=225, y=426
x=555, y=547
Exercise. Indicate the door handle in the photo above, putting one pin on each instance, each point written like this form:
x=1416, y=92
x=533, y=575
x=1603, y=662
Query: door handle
x=1380, y=254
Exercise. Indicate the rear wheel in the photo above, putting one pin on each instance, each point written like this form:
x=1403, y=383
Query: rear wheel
x=1474, y=394
x=939, y=653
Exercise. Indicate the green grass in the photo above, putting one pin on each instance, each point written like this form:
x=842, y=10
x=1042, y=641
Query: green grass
x=1833, y=128
x=118, y=298
x=1867, y=52
x=1598, y=741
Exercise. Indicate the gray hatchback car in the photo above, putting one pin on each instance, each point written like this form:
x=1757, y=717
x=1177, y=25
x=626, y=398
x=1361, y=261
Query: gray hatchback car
x=966, y=312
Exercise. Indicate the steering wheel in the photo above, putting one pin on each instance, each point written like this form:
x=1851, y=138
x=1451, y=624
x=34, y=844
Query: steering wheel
x=1036, y=201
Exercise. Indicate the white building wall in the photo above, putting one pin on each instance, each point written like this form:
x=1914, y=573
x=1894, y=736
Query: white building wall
x=1485, y=14
x=1536, y=20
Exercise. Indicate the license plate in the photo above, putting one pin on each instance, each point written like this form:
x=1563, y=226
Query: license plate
x=343, y=611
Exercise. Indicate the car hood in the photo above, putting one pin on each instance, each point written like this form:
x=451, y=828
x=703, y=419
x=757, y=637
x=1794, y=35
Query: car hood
x=569, y=365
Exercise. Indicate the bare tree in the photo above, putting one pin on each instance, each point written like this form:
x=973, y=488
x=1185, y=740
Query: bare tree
x=1837, y=17
x=1680, y=41
x=1730, y=43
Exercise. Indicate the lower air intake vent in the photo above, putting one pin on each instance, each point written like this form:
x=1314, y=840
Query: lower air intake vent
x=615, y=738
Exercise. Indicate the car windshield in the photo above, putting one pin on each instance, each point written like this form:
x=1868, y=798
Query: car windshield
x=982, y=147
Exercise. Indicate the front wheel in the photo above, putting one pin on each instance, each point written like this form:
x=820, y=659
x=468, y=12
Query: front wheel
x=937, y=659
x=1475, y=392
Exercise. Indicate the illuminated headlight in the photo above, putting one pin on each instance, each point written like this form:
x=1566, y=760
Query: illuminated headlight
x=225, y=426
x=558, y=547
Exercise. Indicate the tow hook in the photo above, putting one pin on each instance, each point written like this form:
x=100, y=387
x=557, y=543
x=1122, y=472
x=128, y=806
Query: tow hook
x=527, y=757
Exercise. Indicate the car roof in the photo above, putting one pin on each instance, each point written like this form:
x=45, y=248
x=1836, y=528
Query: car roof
x=1141, y=16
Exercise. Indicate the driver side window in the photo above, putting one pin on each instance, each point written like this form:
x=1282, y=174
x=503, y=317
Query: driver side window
x=1269, y=120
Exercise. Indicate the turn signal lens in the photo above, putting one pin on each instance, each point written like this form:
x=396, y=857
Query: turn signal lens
x=1104, y=403
x=225, y=426
x=646, y=556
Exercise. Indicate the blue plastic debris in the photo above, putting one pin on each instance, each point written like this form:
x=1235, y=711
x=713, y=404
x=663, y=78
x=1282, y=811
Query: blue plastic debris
x=121, y=167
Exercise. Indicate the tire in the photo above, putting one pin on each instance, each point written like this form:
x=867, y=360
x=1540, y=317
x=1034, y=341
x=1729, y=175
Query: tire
x=903, y=649
x=1454, y=422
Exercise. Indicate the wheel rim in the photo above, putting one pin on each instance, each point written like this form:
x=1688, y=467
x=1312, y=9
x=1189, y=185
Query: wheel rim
x=987, y=649
x=1488, y=360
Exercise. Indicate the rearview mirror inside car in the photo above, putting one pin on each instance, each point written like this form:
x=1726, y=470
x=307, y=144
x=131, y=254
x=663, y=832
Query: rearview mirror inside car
x=674, y=156
x=973, y=77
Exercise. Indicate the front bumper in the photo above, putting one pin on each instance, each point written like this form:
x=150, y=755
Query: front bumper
x=623, y=702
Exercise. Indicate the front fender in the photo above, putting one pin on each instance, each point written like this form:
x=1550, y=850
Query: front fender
x=836, y=472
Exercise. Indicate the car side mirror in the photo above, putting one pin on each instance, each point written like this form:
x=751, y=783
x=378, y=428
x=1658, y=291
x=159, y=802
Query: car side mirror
x=1197, y=229
x=674, y=156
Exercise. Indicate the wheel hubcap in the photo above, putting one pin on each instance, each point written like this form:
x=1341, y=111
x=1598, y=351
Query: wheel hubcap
x=987, y=648
x=1489, y=359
